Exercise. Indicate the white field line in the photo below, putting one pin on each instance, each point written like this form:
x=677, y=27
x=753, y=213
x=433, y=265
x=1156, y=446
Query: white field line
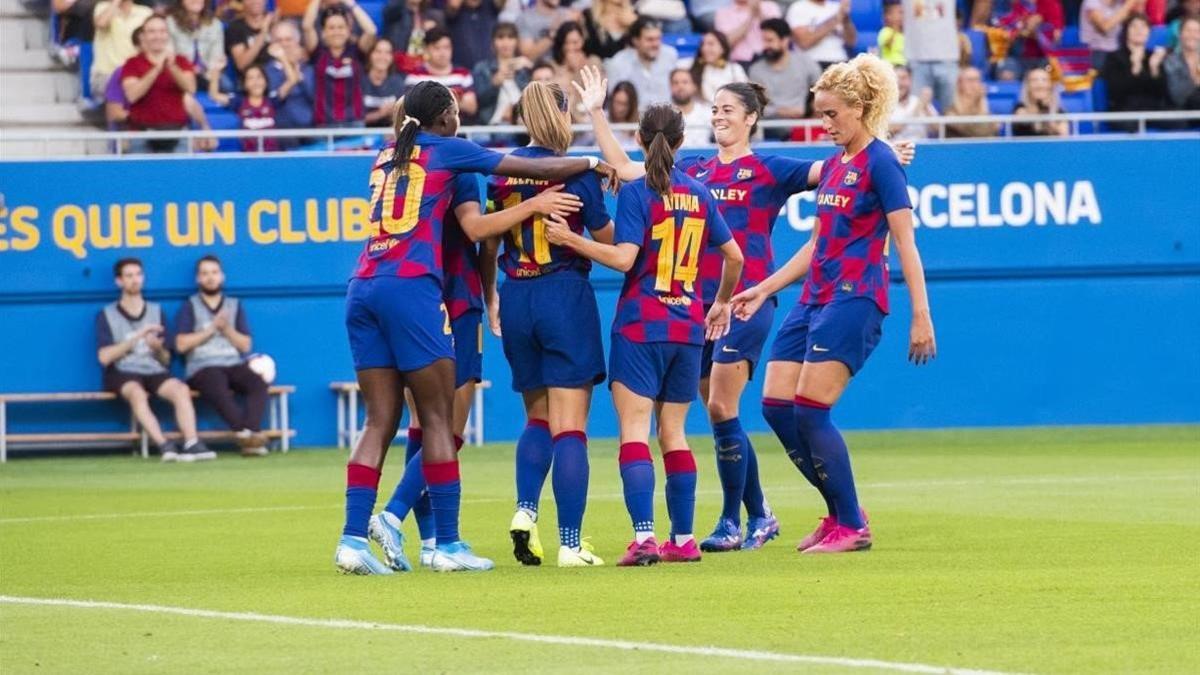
x=560, y=640
x=1048, y=480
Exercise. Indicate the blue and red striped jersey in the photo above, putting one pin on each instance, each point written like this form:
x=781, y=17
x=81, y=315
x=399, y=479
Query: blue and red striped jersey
x=526, y=252
x=462, y=289
x=853, y=200
x=337, y=92
x=749, y=192
x=407, y=212
x=660, y=301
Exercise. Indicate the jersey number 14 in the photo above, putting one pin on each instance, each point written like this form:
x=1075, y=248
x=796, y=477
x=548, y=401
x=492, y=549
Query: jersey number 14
x=677, y=261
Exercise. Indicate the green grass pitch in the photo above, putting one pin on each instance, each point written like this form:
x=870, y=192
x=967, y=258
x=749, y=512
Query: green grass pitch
x=1034, y=550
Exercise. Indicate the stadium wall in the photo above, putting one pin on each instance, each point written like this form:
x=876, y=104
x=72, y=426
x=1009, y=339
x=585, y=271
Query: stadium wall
x=1064, y=278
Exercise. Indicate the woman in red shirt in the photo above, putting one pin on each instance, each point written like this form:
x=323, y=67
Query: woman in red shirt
x=155, y=82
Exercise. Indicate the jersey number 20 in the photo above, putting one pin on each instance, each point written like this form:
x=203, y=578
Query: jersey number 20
x=677, y=261
x=385, y=186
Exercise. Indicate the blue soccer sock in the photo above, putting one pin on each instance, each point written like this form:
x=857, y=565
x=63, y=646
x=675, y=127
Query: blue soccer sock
x=830, y=459
x=421, y=510
x=637, y=477
x=753, y=496
x=570, y=482
x=409, y=491
x=362, y=485
x=535, y=451
x=680, y=466
x=781, y=416
x=731, y=446
x=445, y=494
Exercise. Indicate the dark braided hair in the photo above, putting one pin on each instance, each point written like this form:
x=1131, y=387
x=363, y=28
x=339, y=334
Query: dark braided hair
x=425, y=103
x=661, y=131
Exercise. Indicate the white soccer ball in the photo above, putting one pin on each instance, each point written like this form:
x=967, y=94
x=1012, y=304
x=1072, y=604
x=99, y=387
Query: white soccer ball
x=263, y=365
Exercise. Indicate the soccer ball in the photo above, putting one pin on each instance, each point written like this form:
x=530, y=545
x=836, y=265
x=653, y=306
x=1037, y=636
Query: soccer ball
x=263, y=365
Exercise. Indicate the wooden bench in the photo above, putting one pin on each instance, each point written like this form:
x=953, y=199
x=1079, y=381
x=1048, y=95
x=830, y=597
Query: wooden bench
x=278, y=427
x=347, y=415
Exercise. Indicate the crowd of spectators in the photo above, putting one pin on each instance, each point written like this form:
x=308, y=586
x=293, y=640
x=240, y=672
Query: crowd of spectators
x=292, y=64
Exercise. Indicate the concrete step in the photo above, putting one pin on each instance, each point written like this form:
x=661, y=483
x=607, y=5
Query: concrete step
x=44, y=149
x=39, y=86
x=37, y=59
x=18, y=8
x=19, y=33
x=39, y=115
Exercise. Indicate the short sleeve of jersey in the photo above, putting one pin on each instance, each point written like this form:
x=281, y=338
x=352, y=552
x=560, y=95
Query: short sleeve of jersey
x=791, y=175
x=240, y=324
x=586, y=186
x=457, y=154
x=104, y=335
x=718, y=230
x=889, y=181
x=185, y=319
x=686, y=164
x=466, y=189
x=631, y=216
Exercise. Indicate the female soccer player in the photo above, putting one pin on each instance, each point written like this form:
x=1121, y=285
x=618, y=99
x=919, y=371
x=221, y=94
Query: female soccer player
x=399, y=330
x=550, y=327
x=827, y=337
x=665, y=221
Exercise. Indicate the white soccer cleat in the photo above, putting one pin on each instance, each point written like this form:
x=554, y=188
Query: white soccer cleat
x=353, y=556
x=384, y=529
x=578, y=557
x=458, y=557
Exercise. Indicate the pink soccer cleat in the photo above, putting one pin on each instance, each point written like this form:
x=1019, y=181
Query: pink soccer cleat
x=672, y=552
x=843, y=540
x=827, y=525
x=640, y=555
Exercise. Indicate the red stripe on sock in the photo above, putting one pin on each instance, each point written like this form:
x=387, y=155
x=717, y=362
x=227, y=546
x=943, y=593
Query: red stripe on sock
x=362, y=476
x=440, y=474
x=458, y=442
x=577, y=434
x=809, y=403
x=415, y=434
x=679, y=461
x=534, y=422
x=776, y=402
x=635, y=452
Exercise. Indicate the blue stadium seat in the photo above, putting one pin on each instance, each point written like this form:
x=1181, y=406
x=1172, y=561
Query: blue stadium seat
x=374, y=9
x=867, y=40
x=224, y=118
x=1079, y=102
x=1004, y=88
x=1070, y=37
x=979, y=50
x=208, y=104
x=85, y=70
x=687, y=44
x=867, y=14
x=1002, y=96
x=1159, y=36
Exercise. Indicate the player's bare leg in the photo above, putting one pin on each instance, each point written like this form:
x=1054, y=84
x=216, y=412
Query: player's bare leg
x=680, y=468
x=637, y=473
x=139, y=402
x=180, y=397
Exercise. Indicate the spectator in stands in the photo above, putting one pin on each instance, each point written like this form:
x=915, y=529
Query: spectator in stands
x=697, y=114
x=823, y=28
x=569, y=59
x=1039, y=97
x=469, y=21
x=439, y=67
x=622, y=108
x=543, y=71
x=704, y=14
x=382, y=85
x=606, y=23
x=672, y=15
x=931, y=48
x=131, y=345
x=1100, y=25
x=712, y=68
x=196, y=34
x=212, y=334
x=500, y=79
x=741, y=22
x=337, y=62
x=115, y=21
x=1182, y=67
x=247, y=37
x=291, y=79
x=404, y=24
x=891, y=36
x=911, y=104
x=1184, y=9
x=538, y=24
x=256, y=110
x=970, y=99
x=1033, y=27
x=786, y=73
x=1134, y=74
x=75, y=27
x=646, y=63
x=155, y=82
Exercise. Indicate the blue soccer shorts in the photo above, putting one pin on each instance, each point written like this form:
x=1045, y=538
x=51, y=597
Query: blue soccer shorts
x=397, y=322
x=744, y=342
x=668, y=372
x=550, y=329
x=846, y=331
x=467, y=330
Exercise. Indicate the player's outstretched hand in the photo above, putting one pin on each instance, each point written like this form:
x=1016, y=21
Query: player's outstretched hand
x=716, y=324
x=905, y=151
x=922, y=347
x=557, y=230
x=745, y=304
x=608, y=173
x=594, y=89
x=553, y=201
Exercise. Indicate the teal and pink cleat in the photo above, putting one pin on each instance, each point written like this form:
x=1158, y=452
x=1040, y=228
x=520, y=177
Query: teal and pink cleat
x=672, y=552
x=640, y=555
x=843, y=540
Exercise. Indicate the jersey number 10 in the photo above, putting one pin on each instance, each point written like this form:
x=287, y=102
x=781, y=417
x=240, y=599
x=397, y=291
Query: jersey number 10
x=677, y=261
x=541, y=245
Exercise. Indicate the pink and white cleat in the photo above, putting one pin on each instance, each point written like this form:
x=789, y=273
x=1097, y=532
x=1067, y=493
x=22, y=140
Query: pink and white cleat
x=640, y=555
x=672, y=552
x=827, y=525
x=843, y=540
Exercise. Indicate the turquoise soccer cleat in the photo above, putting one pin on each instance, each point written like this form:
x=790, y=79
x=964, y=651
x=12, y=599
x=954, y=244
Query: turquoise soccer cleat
x=353, y=556
x=384, y=529
x=458, y=557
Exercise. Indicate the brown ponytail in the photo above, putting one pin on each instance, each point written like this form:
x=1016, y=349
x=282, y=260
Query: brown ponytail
x=661, y=134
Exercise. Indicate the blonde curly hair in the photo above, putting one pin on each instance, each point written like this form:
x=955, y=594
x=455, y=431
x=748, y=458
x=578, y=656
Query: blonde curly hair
x=867, y=81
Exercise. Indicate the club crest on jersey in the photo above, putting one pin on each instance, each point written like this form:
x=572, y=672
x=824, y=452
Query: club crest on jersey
x=847, y=287
x=743, y=174
x=851, y=178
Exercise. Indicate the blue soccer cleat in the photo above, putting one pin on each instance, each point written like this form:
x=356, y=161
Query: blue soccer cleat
x=759, y=531
x=384, y=529
x=458, y=557
x=353, y=556
x=727, y=536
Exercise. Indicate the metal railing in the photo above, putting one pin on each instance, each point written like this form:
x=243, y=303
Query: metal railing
x=366, y=139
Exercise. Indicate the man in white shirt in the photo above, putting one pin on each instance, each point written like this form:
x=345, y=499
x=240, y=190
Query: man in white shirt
x=646, y=63
x=823, y=29
x=697, y=118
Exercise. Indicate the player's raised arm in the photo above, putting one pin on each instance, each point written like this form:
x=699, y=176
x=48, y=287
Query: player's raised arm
x=922, y=346
x=592, y=94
